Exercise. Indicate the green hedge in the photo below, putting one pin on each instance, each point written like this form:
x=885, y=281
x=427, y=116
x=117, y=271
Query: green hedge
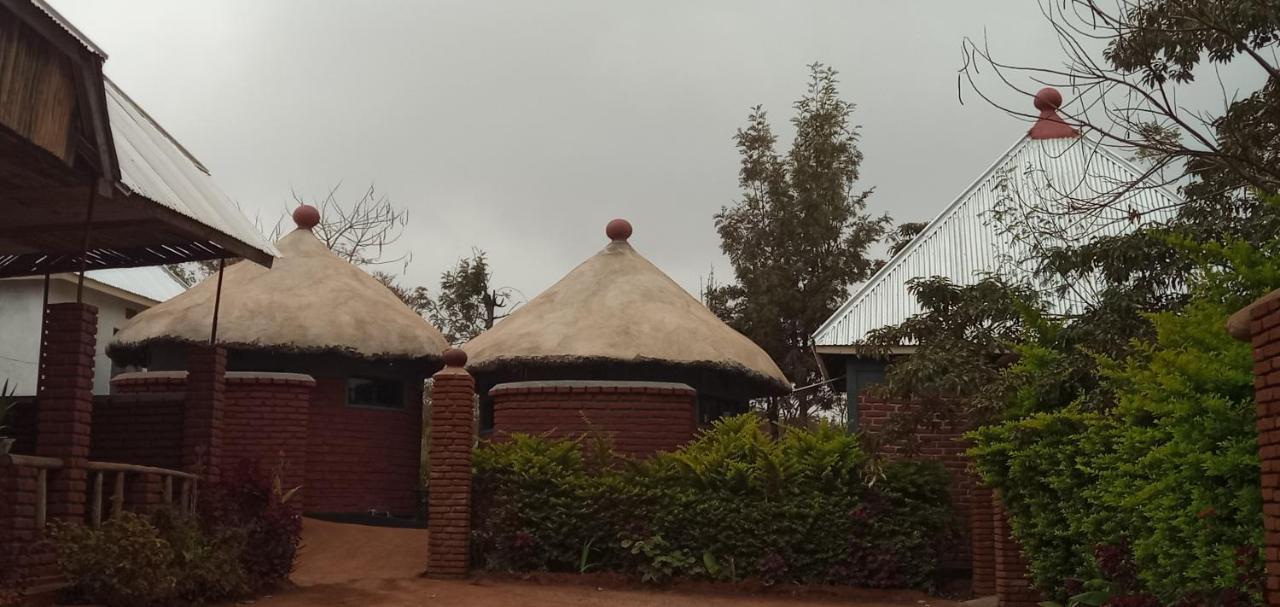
x=1170, y=474
x=810, y=507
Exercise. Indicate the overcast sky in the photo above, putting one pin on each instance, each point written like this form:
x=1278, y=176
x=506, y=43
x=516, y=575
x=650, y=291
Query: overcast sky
x=523, y=127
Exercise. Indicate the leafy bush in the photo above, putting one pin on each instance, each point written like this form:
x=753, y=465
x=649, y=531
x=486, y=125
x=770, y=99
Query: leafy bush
x=732, y=504
x=135, y=560
x=252, y=503
x=1170, y=473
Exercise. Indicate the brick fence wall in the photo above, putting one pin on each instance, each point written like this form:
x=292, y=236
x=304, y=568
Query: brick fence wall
x=143, y=428
x=1012, y=581
x=265, y=419
x=911, y=430
x=1261, y=326
x=640, y=418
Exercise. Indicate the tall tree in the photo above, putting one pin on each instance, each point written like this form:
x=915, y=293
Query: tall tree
x=1128, y=68
x=799, y=236
x=467, y=304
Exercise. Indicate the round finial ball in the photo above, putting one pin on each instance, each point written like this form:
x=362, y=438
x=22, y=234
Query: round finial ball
x=454, y=357
x=306, y=216
x=618, y=229
x=1048, y=99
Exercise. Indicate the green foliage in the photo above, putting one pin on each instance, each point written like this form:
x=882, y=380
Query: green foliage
x=1171, y=472
x=732, y=504
x=467, y=304
x=134, y=560
x=799, y=236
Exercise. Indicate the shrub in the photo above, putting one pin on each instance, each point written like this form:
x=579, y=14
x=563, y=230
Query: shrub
x=160, y=560
x=1170, y=474
x=122, y=562
x=732, y=504
x=252, y=503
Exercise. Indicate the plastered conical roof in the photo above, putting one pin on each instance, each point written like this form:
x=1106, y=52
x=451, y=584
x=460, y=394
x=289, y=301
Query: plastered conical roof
x=310, y=300
x=617, y=307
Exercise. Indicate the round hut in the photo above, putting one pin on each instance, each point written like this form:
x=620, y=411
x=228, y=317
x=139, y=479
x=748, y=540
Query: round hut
x=325, y=371
x=617, y=346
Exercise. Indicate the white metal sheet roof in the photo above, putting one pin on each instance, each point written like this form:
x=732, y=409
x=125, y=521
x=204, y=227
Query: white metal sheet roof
x=1042, y=179
x=152, y=282
x=156, y=166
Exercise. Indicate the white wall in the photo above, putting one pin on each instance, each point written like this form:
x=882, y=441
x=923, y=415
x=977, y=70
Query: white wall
x=20, y=329
x=20, y=333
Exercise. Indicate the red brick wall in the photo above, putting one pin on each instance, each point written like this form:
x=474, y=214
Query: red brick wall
x=911, y=430
x=1013, y=584
x=361, y=458
x=982, y=541
x=451, y=438
x=1264, y=329
x=139, y=428
x=25, y=559
x=641, y=418
x=265, y=419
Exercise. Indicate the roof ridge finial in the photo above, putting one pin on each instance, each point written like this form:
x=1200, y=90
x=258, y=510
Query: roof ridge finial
x=1050, y=125
x=618, y=230
x=306, y=216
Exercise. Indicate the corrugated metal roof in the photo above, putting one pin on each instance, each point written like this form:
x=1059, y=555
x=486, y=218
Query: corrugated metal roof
x=66, y=26
x=152, y=282
x=1039, y=179
x=156, y=166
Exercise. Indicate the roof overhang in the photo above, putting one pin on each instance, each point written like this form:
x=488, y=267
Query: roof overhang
x=45, y=197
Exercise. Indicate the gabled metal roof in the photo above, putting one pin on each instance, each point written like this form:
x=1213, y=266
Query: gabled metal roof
x=151, y=282
x=1048, y=181
x=154, y=165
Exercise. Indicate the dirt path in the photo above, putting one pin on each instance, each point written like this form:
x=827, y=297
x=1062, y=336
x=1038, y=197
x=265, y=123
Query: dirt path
x=379, y=567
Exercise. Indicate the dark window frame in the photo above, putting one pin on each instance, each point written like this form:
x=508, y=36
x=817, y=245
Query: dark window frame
x=382, y=386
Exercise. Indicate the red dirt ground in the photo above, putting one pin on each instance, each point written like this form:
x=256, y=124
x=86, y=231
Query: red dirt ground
x=380, y=567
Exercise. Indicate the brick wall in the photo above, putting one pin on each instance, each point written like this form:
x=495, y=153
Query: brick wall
x=26, y=560
x=265, y=419
x=641, y=418
x=139, y=428
x=451, y=438
x=1264, y=333
x=1013, y=584
x=360, y=459
x=912, y=430
x=982, y=541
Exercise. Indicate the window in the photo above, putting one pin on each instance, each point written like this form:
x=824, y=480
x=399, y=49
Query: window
x=374, y=392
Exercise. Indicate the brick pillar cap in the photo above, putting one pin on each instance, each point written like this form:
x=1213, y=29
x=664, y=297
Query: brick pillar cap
x=455, y=357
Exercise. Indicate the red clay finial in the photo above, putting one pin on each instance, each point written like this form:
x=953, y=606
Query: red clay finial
x=618, y=229
x=454, y=357
x=306, y=216
x=1050, y=125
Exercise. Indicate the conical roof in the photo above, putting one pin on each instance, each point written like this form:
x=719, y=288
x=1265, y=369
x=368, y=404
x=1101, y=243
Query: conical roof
x=617, y=307
x=310, y=300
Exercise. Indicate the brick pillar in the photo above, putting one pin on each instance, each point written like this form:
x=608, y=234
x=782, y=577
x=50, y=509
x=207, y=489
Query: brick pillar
x=1013, y=583
x=202, y=421
x=449, y=485
x=982, y=535
x=65, y=396
x=1263, y=331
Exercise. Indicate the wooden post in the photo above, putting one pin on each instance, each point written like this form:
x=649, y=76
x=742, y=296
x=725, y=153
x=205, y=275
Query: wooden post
x=95, y=516
x=42, y=498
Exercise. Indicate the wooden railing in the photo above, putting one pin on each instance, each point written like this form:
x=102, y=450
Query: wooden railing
x=98, y=472
x=42, y=465
x=184, y=498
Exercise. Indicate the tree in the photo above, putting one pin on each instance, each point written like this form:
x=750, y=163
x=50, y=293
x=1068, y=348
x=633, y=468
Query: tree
x=358, y=232
x=417, y=298
x=1128, y=93
x=902, y=235
x=467, y=304
x=799, y=236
